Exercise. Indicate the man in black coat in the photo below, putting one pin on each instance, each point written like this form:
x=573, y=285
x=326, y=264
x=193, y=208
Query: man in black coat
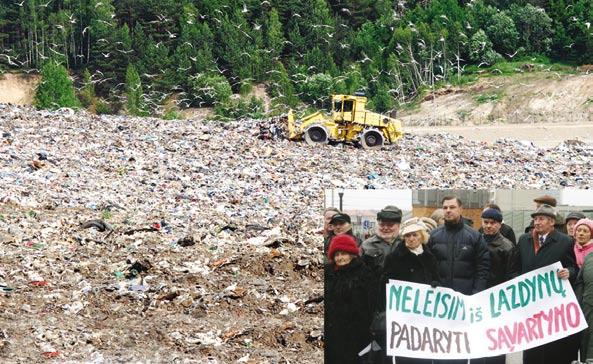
x=536, y=249
x=464, y=260
x=505, y=229
x=461, y=252
x=501, y=250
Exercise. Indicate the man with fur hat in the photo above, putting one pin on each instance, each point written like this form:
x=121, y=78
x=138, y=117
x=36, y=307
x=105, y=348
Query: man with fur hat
x=378, y=246
x=543, y=246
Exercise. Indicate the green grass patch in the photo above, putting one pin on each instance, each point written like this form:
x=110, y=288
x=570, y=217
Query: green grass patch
x=520, y=65
x=106, y=214
x=172, y=114
x=489, y=97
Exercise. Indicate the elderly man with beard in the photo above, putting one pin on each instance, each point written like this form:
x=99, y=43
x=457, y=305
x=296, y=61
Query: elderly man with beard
x=377, y=247
x=536, y=249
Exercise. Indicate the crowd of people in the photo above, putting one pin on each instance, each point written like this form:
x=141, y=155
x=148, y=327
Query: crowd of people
x=445, y=250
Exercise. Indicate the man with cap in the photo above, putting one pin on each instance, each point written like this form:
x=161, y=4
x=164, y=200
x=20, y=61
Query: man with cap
x=501, y=250
x=500, y=247
x=505, y=230
x=461, y=253
x=340, y=224
x=543, y=246
x=548, y=200
x=377, y=247
x=545, y=200
x=571, y=220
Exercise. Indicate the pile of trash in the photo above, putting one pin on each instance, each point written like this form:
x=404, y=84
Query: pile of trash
x=145, y=240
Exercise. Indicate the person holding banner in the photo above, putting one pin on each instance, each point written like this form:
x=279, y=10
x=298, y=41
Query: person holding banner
x=538, y=248
x=349, y=301
x=500, y=256
x=462, y=255
x=461, y=252
x=584, y=238
x=411, y=262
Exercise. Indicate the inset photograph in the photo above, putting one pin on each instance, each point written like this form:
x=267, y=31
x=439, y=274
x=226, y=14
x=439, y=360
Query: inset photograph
x=491, y=276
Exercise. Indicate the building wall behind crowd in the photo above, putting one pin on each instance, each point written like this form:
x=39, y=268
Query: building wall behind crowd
x=517, y=205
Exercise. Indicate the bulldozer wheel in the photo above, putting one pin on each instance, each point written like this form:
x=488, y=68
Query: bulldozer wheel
x=372, y=139
x=316, y=135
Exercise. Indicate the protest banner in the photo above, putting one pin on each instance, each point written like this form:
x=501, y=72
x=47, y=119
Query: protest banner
x=528, y=311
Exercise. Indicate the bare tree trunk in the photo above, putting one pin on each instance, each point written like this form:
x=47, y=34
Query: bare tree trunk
x=458, y=62
x=445, y=61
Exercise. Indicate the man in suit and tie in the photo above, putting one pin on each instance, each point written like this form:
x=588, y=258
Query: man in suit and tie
x=538, y=248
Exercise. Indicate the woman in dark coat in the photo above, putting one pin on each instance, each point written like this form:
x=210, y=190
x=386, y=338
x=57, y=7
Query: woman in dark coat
x=411, y=262
x=349, y=301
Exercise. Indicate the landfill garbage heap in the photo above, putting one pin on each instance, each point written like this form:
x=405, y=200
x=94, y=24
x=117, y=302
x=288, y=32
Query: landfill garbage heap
x=145, y=240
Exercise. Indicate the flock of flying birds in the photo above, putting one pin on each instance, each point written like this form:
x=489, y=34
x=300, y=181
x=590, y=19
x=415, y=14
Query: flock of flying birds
x=154, y=98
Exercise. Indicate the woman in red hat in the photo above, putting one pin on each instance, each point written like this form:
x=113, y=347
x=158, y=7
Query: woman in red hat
x=349, y=301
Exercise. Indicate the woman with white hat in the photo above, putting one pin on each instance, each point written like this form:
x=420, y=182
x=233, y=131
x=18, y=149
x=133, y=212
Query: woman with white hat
x=411, y=262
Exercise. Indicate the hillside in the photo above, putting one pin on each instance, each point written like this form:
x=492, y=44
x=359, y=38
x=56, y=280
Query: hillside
x=208, y=50
x=18, y=89
x=538, y=97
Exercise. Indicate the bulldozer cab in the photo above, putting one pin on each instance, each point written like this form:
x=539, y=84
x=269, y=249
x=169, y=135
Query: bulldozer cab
x=344, y=108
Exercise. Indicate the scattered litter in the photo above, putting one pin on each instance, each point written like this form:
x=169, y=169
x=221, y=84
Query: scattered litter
x=120, y=235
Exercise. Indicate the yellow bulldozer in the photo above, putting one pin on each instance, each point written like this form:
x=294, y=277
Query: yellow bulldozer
x=349, y=121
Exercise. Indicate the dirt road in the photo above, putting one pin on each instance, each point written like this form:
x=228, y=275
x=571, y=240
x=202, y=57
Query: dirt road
x=542, y=135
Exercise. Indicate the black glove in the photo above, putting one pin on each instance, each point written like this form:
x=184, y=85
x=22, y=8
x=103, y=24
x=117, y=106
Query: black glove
x=378, y=328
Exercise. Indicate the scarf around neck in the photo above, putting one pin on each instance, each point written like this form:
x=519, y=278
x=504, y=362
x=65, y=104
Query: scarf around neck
x=419, y=250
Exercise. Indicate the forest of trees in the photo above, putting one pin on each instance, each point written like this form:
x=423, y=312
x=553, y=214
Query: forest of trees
x=139, y=54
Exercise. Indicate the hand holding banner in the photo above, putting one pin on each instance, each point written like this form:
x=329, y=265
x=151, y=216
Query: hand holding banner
x=531, y=310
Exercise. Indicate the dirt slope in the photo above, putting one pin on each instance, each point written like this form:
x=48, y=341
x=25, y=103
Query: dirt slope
x=526, y=98
x=18, y=89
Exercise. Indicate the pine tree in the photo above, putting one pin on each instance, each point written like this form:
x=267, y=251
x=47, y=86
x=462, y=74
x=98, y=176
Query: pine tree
x=87, y=93
x=56, y=89
x=281, y=88
x=135, y=104
x=274, y=36
x=103, y=44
